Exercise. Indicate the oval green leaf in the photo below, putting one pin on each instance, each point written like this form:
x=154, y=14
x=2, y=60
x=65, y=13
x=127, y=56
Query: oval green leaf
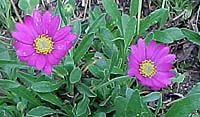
x=185, y=106
x=75, y=75
x=191, y=35
x=82, y=106
x=46, y=86
x=8, y=84
x=41, y=111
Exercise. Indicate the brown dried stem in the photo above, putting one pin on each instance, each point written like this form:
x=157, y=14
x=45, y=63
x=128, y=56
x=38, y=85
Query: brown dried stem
x=15, y=10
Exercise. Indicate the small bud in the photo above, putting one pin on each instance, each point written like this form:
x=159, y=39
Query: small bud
x=69, y=9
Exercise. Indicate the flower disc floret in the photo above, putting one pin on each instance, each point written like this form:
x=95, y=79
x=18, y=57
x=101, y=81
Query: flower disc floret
x=43, y=44
x=147, y=68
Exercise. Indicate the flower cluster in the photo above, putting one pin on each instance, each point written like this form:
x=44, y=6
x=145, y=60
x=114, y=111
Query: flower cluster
x=40, y=43
x=151, y=64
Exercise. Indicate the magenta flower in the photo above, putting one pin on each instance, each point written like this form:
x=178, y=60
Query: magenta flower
x=39, y=42
x=151, y=64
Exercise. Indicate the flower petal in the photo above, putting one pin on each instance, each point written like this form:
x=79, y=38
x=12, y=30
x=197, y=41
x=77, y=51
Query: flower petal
x=53, y=25
x=150, y=49
x=63, y=45
x=58, y=53
x=132, y=72
x=164, y=77
x=135, y=53
x=25, y=29
x=166, y=59
x=133, y=64
x=46, y=19
x=161, y=54
x=62, y=33
x=23, y=58
x=37, y=20
x=40, y=62
x=28, y=20
x=157, y=50
x=71, y=37
x=22, y=37
x=23, y=49
x=164, y=67
x=48, y=69
x=32, y=59
x=53, y=60
x=157, y=85
x=141, y=48
x=143, y=80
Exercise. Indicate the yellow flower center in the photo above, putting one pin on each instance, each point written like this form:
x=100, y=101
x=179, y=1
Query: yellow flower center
x=147, y=68
x=43, y=44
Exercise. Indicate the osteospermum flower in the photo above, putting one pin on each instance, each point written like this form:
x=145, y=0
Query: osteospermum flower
x=39, y=42
x=151, y=64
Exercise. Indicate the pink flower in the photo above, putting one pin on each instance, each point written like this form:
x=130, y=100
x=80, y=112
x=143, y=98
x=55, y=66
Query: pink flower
x=40, y=43
x=151, y=64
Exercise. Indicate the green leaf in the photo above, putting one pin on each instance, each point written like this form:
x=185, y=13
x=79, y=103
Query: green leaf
x=82, y=106
x=100, y=114
x=94, y=14
x=111, y=8
x=26, y=94
x=194, y=90
x=23, y=4
x=76, y=27
x=75, y=75
x=4, y=54
x=129, y=106
x=185, y=106
x=151, y=97
x=120, y=103
x=21, y=106
x=46, y=86
x=52, y=98
x=8, y=84
x=106, y=37
x=130, y=31
x=83, y=47
x=160, y=15
x=97, y=23
x=60, y=8
x=41, y=111
x=85, y=90
x=10, y=62
x=26, y=78
x=28, y=5
x=178, y=78
x=33, y=3
x=124, y=18
x=134, y=7
x=191, y=35
x=96, y=71
x=134, y=104
x=168, y=35
x=198, y=55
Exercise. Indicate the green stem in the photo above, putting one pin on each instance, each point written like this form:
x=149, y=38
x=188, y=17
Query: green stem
x=138, y=17
x=5, y=38
x=4, y=43
x=163, y=3
x=111, y=81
